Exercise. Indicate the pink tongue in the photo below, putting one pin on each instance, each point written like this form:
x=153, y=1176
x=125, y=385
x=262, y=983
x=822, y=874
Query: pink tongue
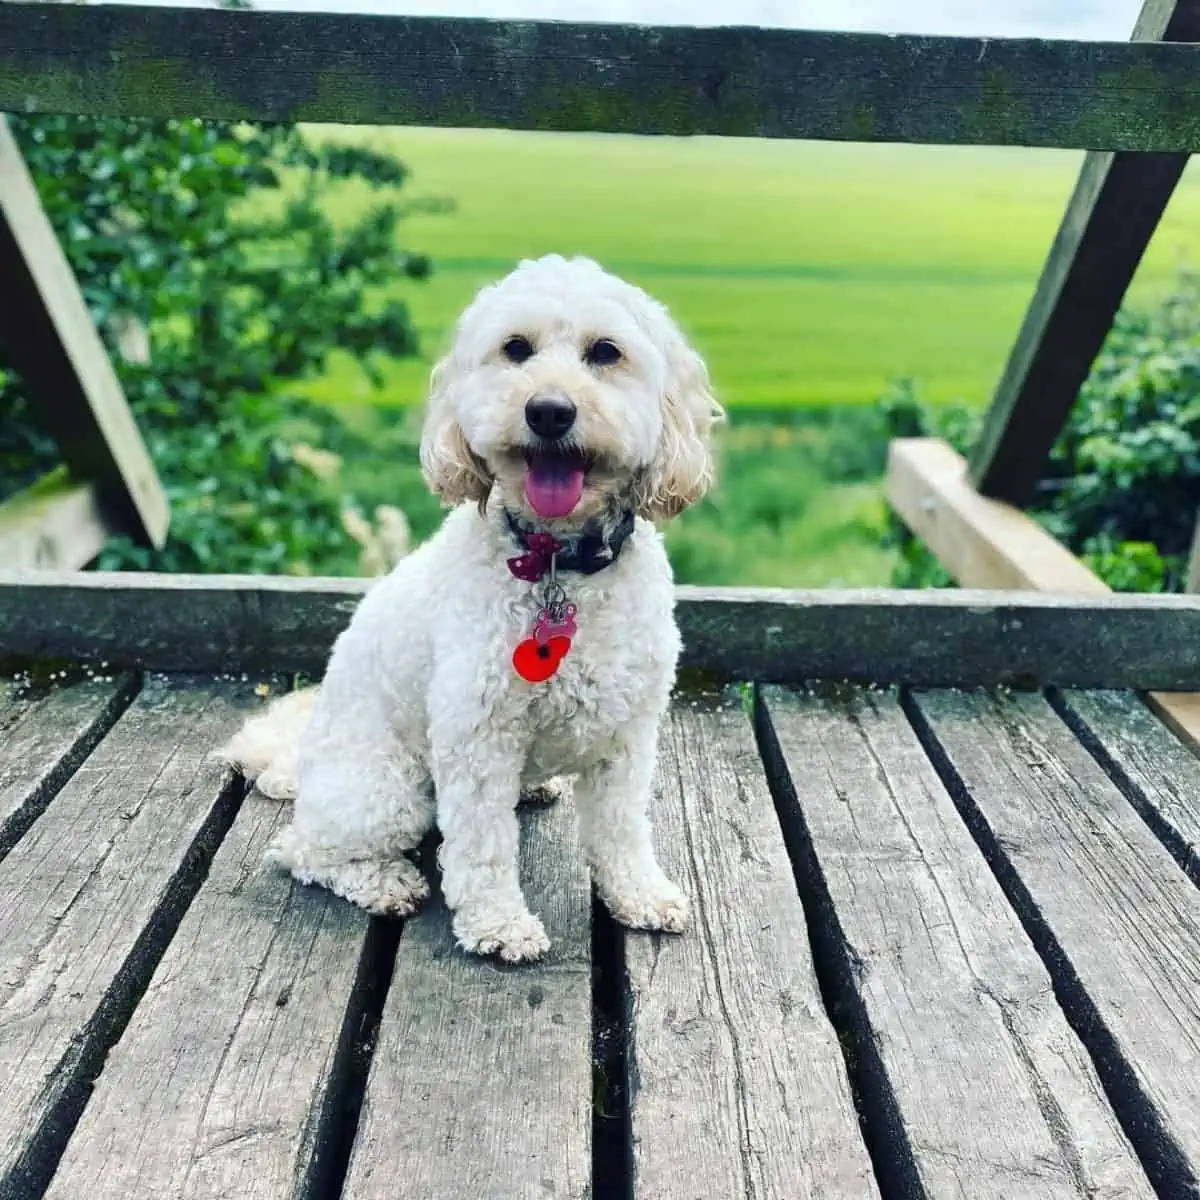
x=553, y=488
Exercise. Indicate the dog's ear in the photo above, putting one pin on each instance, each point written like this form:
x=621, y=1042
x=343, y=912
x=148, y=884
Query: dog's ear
x=683, y=467
x=452, y=470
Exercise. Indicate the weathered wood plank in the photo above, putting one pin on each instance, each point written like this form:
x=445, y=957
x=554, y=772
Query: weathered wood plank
x=44, y=736
x=737, y=1079
x=54, y=525
x=933, y=638
x=240, y=622
x=1156, y=771
x=481, y=1083
x=981, y=1089
x=982, y=542
x=1114, y=918
x=381, y=70
x=988, y=543
x=217, y=1082
x=1117, y=204
x=49, y=339
x=89, y=898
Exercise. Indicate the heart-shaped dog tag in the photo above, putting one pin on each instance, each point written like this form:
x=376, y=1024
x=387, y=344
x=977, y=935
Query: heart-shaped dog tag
x=536, y=662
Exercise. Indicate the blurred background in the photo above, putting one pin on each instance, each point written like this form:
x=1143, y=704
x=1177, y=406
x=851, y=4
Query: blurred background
x=274, y=299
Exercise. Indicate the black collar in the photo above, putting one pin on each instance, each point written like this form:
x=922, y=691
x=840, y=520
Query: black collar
x=587, y=552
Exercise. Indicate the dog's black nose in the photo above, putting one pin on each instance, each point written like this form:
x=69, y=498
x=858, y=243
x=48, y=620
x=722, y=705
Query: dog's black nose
x=550, y=416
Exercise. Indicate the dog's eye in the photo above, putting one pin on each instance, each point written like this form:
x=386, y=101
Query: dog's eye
x=517, y=349
x=603, y=353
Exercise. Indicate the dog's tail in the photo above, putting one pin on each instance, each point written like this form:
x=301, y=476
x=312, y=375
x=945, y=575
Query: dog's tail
x=266, y=746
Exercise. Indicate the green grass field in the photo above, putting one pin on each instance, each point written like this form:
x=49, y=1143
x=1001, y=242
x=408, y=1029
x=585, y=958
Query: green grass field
x=810, y=275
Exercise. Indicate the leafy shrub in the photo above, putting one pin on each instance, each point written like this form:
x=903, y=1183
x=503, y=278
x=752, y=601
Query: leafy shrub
x=1122, y=486
x=214, y=239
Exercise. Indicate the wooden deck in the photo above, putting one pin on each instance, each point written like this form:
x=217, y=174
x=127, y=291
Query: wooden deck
x=946, y=943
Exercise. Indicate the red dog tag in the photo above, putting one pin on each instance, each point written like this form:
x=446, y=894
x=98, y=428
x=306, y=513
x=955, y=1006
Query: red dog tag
x=535, y=662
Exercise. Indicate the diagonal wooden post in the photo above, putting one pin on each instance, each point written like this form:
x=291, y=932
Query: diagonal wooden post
x=1112, y=215
x=50, y=340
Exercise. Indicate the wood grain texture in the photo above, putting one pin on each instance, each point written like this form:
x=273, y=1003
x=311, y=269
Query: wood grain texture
x=481, y=1082
x=737, y=1082
x=215, y=1086
x=1117, y=204
x=982, y=542
x=1156, y=771
x=49, y=339
x=44, y=736
x=1114, y=918
x=88, y=899
x=380, y=70
x=933, y=638
x=54, y=525
x=982, y=1075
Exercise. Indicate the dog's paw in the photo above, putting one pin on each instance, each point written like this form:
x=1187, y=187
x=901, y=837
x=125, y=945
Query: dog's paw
x=391, y=888
x=661, y=906
x=514, y=939
x=546, y=794
x=277, y=783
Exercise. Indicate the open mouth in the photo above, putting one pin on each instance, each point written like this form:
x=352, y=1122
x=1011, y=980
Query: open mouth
x=554, y=480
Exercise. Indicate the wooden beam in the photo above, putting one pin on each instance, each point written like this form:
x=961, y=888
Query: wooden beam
x=927, y=638
x=119, y=60
x=1110, y=219
x=54, y=525
x=985, y=543
x=981, y=542
x=50, y=340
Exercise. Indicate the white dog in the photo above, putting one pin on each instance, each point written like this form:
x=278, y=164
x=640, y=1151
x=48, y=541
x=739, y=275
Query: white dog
x=532, y=638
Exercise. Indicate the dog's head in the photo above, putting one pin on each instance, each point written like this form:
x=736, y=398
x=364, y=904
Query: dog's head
x=575, y=395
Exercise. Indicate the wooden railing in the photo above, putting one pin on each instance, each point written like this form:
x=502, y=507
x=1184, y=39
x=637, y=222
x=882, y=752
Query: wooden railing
x=1134, y=106
x=357, y=69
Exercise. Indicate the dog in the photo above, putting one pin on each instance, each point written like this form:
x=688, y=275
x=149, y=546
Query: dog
x=531, y=641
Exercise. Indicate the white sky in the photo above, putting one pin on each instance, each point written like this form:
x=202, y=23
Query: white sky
x=1099, y=19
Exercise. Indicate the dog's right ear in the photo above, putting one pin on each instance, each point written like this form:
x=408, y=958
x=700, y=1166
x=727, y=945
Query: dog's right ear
x=452, y=470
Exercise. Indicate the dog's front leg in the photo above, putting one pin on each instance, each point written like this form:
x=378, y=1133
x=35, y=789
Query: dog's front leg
x=613, y=798
x=478, y=782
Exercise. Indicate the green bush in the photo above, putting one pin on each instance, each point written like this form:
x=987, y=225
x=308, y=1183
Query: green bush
x=214, y=239
x=1122, y=486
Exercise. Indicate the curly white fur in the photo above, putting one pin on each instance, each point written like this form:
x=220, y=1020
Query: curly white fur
x=421, y=716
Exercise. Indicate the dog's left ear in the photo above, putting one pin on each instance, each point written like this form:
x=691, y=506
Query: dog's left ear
x=683, y=468
x=452, y=470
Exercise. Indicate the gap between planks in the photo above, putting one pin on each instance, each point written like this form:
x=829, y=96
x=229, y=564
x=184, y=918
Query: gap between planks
x=481, y=1079
x=1158, y=774
x=230, y=1077
x=46, y=733
x=90, y=897
x=973, y=1082
x=1114, y=919
x=738, y=1086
